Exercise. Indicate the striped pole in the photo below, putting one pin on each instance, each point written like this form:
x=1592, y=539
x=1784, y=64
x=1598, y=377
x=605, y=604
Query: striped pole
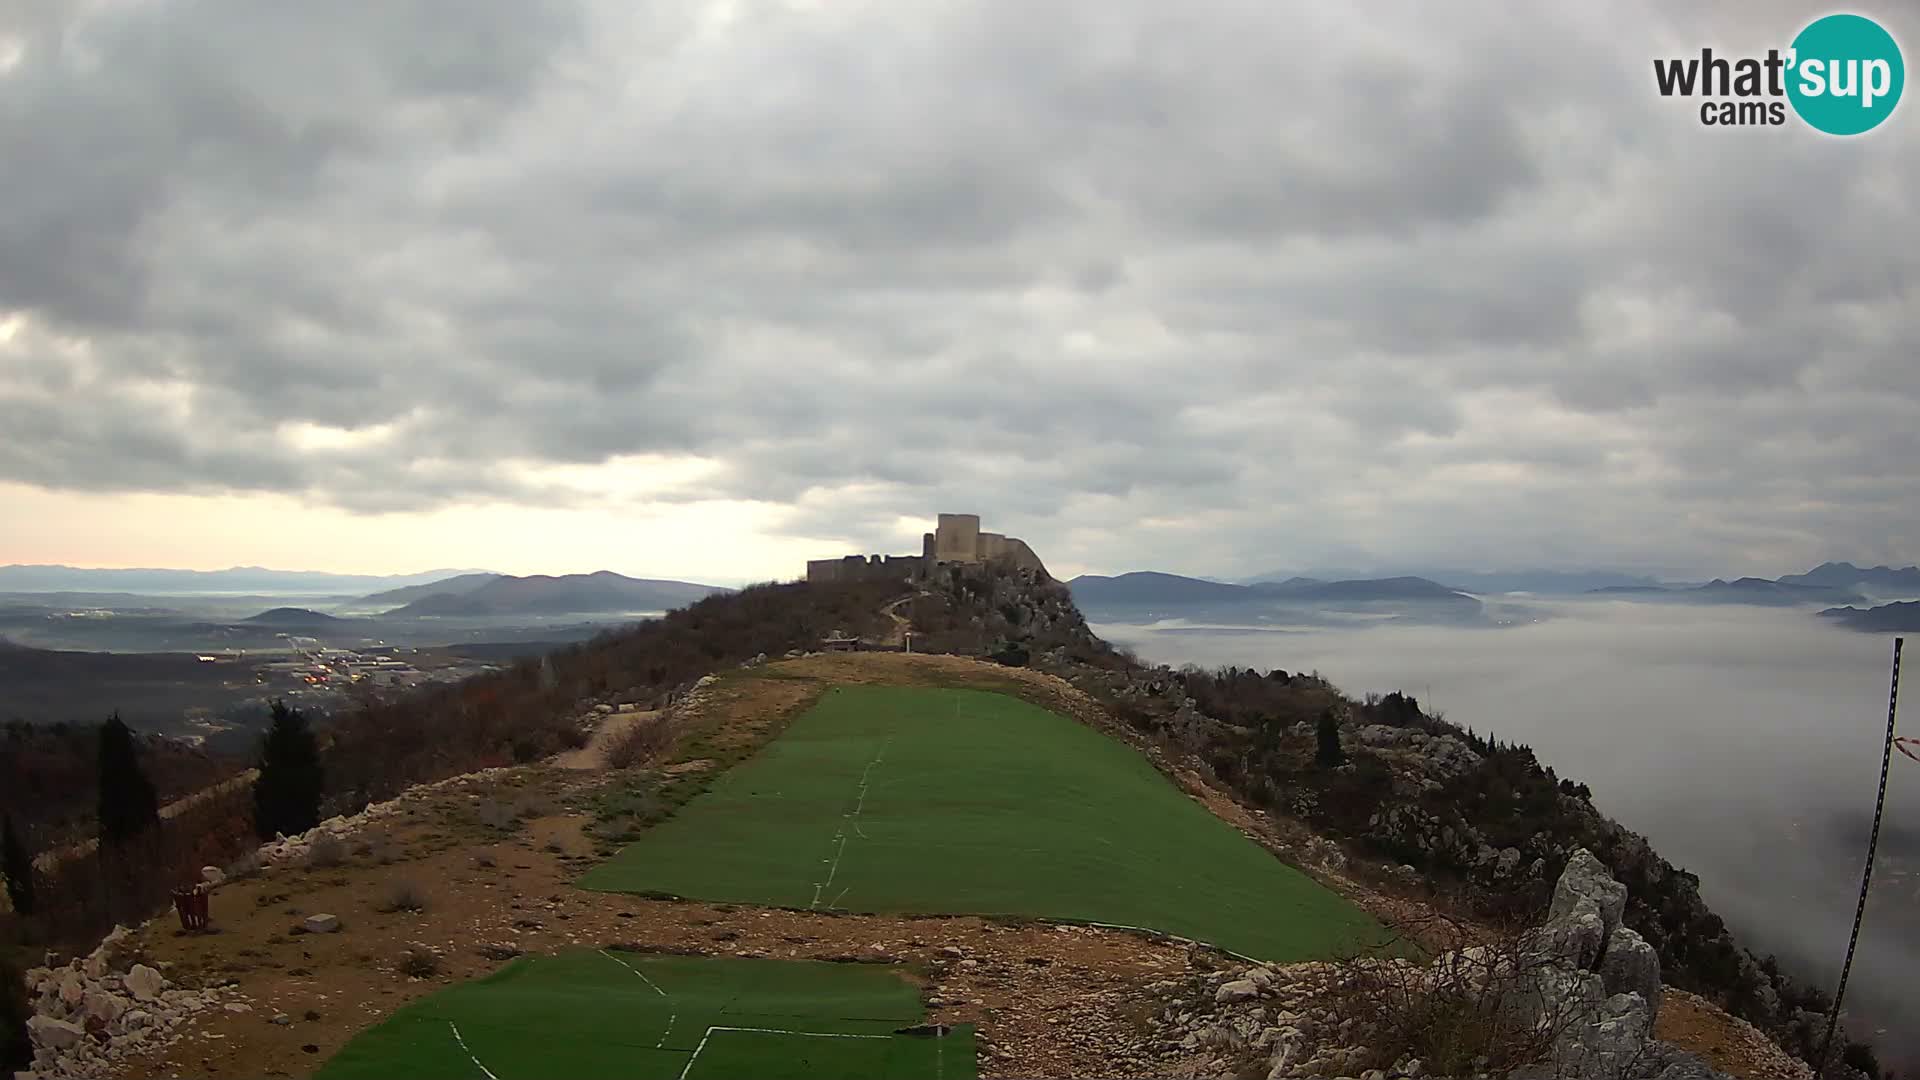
x=1866, y=878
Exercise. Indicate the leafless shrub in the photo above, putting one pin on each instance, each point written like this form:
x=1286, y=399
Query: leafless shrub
x=1477, y=1009
x=404, y=895
x=420, y=962
x=528, y=807
x=496, y=815
x=326, y=852
x=642, y=743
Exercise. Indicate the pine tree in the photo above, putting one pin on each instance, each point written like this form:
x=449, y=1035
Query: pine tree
x=128, y=804
x=1330, y=754
x=18, y=867
x=286, y=797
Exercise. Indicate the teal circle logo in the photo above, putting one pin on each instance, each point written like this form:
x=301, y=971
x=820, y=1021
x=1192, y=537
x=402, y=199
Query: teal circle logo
x=1846, y=74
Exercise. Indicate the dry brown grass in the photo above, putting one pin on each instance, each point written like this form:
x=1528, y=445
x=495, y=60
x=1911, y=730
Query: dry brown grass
x=326, y=852
x=1470, y=1011
x=405, y=895
x=419, y=962
x=643, y=743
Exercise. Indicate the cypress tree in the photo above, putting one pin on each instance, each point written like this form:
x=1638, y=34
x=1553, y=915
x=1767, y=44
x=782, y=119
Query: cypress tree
x=1330, y=755
x=16, y=1045
x=286, y=797
x=128, y=804
x=18, y=866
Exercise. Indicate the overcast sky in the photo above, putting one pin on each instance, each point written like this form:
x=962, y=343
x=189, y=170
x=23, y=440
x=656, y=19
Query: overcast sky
x=703, y=290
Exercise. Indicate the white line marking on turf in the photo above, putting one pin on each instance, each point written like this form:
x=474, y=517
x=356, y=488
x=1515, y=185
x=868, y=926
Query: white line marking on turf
x=765, y=1031
x=671, y=1014
x=841, y=833
x=470, y=1057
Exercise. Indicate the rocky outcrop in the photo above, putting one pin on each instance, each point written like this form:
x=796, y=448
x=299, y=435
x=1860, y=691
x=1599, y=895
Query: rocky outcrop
x=1577, y=997
x=96, y=1010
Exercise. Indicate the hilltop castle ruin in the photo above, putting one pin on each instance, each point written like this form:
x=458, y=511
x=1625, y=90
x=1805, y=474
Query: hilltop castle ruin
x=956, y=539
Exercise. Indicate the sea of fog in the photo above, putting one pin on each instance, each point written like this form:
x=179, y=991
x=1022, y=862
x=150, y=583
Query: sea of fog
x=1745, y=742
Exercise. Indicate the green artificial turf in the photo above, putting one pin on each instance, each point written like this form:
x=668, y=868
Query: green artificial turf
x=596, y=1014
x=899, y=799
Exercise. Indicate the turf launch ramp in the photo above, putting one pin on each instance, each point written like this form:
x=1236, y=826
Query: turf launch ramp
x=888, y=799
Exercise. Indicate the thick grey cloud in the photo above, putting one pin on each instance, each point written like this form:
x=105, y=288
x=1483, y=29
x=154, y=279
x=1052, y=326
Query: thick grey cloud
x=1213, y=287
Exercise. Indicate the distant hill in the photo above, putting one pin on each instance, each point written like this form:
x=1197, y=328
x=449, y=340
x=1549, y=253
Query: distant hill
x=1746, y=590
x=1148, y=588
x=1903, y=617
x=564, y=595
x=1549, y=582
x=1395, y=588
x=1845, y=575
x=1753, y=590
x=293, y=617
x=239, y=579
x=407, y=594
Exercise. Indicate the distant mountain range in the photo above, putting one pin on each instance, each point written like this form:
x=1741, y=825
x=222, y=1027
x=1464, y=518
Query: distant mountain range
x=543, y=595
x=1843, y=575
x=1548, y=582
x=239, y=579
x=1898, y=618
x=1746, y=590
x=1148, y=589
x=1835, y=583
x=407, y=594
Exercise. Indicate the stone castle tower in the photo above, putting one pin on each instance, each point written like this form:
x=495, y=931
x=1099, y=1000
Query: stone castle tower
x=956, y=539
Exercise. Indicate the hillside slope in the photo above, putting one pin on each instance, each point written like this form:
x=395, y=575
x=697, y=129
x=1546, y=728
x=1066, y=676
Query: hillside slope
x=1485, y=827
x=407, y=594
x=564, y=595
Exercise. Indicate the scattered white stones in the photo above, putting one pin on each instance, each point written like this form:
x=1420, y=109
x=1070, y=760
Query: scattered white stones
x=57, y=1034
x=88, y=1014
x=295, y=848
x=1237, y=990
x=144, y=983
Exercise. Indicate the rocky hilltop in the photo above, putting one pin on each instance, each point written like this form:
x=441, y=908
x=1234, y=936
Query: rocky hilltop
x=1418, y=804
x=1572, y=999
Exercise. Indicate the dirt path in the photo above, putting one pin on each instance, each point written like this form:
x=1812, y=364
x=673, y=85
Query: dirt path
x=901, y=623
x=593, y=756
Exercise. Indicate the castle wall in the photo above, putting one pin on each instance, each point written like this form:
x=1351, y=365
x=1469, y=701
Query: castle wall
x=1017, y=553
x=864, y=568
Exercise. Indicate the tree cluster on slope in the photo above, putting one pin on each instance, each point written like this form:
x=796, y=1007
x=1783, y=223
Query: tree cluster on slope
x=49, y=776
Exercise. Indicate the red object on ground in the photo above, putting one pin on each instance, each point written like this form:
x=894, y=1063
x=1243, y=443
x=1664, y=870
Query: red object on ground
x=192, y=906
